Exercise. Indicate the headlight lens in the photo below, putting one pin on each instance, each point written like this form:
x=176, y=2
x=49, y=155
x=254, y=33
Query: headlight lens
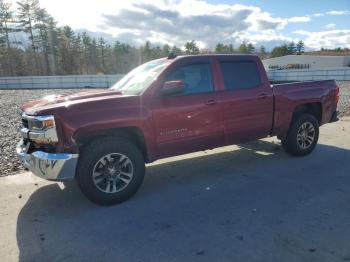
x=42, y=129
x=41, y=122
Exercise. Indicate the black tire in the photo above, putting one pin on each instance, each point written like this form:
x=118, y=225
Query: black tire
x=90, y=159
x=290, y=143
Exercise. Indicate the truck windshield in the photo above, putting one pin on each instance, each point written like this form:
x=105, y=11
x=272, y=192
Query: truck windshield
x=141, y=77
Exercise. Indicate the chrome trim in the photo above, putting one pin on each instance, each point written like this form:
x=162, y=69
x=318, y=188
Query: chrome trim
x=49, y=135
x=41, y=135
x=50, y=166
x=24, y=133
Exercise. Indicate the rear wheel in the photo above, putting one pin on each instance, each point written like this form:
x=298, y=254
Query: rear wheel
x=302, y=135
x=110, y=170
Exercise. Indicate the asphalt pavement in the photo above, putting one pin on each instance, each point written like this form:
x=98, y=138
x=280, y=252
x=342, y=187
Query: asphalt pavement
x=251, y=202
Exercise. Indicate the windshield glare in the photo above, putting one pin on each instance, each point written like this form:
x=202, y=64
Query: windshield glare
x=141, y=77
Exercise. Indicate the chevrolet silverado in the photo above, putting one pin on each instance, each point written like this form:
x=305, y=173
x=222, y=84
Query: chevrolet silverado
x=163, y=108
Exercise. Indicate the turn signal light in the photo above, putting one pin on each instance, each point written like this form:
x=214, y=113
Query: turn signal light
x=48, y=122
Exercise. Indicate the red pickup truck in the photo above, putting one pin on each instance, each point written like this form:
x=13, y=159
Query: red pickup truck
x=167, y=107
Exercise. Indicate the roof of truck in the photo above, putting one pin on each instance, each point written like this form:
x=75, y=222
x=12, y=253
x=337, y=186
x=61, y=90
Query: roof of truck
x=214, y=55
x=195, y=57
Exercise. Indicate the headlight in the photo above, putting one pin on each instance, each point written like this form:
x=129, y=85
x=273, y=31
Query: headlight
x=41, y=122
x=40, y=129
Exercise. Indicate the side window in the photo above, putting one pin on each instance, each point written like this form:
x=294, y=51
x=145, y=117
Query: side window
x=240, y=74
x=197, y=78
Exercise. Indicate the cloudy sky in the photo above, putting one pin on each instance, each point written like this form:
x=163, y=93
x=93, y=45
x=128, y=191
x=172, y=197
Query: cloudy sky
x=319, y=23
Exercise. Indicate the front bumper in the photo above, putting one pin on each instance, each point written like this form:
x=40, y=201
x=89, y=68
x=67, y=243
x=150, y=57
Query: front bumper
x=50, y=166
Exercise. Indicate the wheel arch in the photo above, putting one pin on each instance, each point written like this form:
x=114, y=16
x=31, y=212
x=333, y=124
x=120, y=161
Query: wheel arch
x=131, y=133
x=314, y=109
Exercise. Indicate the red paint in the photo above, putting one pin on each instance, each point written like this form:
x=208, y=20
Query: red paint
x=173, y=125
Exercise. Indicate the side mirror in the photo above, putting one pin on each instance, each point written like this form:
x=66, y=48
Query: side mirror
x=173, y=87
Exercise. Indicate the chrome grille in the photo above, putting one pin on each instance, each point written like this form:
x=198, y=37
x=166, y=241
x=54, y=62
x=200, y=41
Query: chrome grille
x=25, y=123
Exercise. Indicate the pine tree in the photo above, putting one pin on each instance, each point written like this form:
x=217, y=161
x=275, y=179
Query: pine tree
x=166, y=50
x=300, y=47
x=176, y=51
x=44, y=27
x=250, y=48
x=279, y=51
x=221, y=48
x=102, y=53
x=262, y=50
x=291, y=48
x=243, y=49
x=6, y=19
x=146, y=52
x=27, y=10
x=191, y=48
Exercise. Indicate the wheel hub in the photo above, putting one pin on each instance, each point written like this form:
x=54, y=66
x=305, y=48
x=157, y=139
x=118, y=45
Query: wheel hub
x=112, y=173
x=306, y=135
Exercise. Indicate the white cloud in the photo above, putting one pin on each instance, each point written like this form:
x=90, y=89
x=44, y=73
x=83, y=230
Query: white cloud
x=181, y=20
x=267, y=38
x=330, y=26
x=301, y=32
x=299, y=19
x=333, y=12
x=337, y=12
x=326, y=39
x=318, y=14
x=178, y=21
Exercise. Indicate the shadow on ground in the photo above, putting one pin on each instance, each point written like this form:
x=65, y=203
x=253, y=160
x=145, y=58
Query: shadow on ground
x=252, y=204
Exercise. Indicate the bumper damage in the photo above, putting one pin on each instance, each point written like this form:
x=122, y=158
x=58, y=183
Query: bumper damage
x=50, y=166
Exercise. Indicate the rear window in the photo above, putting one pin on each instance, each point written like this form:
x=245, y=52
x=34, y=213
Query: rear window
x=240, y=74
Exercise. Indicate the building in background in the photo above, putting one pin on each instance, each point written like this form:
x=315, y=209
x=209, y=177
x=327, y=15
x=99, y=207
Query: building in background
x=306, y=62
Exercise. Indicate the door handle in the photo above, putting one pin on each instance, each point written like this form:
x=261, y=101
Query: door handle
x=211, y=102
x=262, y=96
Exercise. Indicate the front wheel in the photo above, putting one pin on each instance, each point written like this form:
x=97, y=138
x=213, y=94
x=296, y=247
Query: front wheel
x=302, y=135
x=110, y=170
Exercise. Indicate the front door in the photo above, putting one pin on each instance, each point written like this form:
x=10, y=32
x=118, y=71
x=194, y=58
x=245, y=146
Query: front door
x=191, y=121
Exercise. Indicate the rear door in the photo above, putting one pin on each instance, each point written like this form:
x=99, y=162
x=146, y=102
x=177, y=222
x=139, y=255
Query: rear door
x=247, y=100
x=193, y=120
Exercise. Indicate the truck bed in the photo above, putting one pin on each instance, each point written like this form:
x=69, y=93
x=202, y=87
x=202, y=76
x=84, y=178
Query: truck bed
x=289, y=95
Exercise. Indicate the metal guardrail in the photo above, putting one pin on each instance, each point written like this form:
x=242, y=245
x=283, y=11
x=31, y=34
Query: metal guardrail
x=105, y=81
x=59, y=82
x=342, y=74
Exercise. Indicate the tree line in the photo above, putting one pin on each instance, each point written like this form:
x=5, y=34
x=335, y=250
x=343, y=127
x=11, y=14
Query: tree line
x=53, y=50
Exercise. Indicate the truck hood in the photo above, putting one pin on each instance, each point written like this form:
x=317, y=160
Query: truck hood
x=51, y=103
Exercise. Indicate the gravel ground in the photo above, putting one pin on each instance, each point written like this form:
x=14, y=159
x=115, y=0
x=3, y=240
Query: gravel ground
x=10, y=122
x=344, y=101
x=10, y=100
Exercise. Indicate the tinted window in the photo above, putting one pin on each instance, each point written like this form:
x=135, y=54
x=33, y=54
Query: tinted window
x=197, y=78
x=240, y=75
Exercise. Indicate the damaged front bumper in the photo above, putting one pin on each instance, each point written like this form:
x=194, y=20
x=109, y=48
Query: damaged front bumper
x=50, y=166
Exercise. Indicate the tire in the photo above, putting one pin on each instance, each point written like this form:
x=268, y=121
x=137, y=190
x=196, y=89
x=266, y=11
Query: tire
x=298, y=143
x=110, y=170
